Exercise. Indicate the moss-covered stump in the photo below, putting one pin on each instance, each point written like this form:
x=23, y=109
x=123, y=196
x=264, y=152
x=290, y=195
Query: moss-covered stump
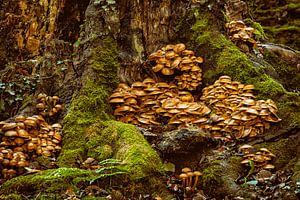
x=53, y=182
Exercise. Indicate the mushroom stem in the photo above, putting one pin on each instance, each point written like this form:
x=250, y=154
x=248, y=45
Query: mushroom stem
x=196, y=180
x=190, y=178
x=197, y=174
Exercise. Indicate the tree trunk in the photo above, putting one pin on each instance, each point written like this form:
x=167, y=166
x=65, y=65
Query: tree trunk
x=81, y=50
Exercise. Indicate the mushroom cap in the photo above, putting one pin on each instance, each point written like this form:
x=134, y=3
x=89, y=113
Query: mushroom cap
x=196, y=68
x=156, y=55
x=138, y=85
x=190, y=174
x=200, y=120
x=151, y=88
x=249, y=102
x=176, y=62
x=248, y=87
x=197, y=173
x=11, y=133
x=246, y=146
x=252, y=111
x=9, y=126
x=182, y=105
x=170, y=54
x=199, y=59
x=131, y=101
x=117, y=100
x=139, y=93
x=41, y=95
x=224, y=77
x=56, y=98
x=183, y=176
x=167, y=71
x=124, y=109
x=162, y=85
x=246, y=161
x=265, y=150
x=178, y=48
x=187, y=52
x=143, y=120
x=30, y=122
x=117, y=95
x=269, y=166
x=56, y=125
x=186, y=170
x=20, y=118
x=148, y=80
x=158, y=67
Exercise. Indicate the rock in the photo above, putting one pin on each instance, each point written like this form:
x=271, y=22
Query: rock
x=182, y=140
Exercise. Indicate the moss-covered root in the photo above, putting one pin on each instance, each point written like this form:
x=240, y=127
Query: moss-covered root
x=128, y=145
x=91, y=103
x=48, y=182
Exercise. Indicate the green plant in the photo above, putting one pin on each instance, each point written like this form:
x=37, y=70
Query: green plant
x=110, y=167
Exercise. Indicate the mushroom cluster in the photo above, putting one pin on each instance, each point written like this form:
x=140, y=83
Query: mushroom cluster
x=156, y=103
x=236, y=113
x=47, y=105
x=189, y=178
x=261, y=158
x=24, y=139
x=240, y=33
x=175, y=59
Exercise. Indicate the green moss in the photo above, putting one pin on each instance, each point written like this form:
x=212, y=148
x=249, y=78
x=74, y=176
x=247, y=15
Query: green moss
x=131, y=147
x=296, y=169
x=48, y=181
x=106, y=62
x=212, y=174
x=289, y=108
x=259, y=31
x=91, y=103
x=11, y=197
x=284, y=150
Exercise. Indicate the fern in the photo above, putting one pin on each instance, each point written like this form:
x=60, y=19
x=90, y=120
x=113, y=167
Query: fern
x=110, y=168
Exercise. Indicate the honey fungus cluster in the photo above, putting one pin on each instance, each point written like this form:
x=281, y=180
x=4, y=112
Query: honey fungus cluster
x=239, y=32
x=156, y=103
x=176, y=59
x=261, y=158
x=47, y=105
x=25, y=138
x=236, y=112
x=227, y=109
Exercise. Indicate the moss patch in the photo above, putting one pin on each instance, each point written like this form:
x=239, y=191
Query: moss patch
x=130, y=147
x=90, y=104
x=284, y=150
x=48, y=181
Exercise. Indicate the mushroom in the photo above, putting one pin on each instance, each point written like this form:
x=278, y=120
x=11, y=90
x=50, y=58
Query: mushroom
x=197, y=174
x=184, y=178
x=190, y=177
